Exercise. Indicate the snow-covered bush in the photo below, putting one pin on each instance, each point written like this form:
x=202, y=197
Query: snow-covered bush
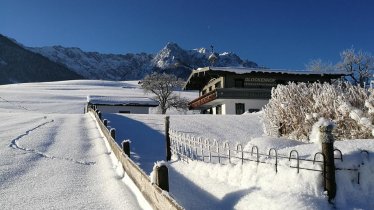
x=294, y=108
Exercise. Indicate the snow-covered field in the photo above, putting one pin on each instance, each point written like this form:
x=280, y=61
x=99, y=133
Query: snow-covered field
x=52, y=156
x=200, y=185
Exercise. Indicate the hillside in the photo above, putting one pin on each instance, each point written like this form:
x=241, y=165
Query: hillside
x=171, y=59
x=19, y=65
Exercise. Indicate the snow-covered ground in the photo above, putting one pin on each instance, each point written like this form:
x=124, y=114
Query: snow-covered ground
x=52, y=156
x=200, y=185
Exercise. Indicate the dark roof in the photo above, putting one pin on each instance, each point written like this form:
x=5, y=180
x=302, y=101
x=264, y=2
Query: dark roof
x=201, y=76
x=123, y=101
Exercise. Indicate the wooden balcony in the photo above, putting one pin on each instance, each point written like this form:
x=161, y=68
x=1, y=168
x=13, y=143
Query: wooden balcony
x=206, y=98
x=230, y=93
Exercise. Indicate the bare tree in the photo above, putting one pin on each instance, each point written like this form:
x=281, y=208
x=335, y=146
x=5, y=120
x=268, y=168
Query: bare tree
x=318, y=65
x=359, y=65
x=163, y=86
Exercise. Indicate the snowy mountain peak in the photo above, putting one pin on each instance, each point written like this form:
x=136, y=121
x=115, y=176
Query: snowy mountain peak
x=172, y=47
x=169, y=56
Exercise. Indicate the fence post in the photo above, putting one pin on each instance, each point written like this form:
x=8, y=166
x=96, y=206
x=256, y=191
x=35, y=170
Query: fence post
x=105, y=122
x=126, y=147
x=162, y=177
x=167, y=138
x=327, y=141
x=280, y=130
x=99, y=114
x=113, y=133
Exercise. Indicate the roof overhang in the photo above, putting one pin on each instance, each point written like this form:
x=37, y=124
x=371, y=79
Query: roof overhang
x=201, y=76
x=122, y=101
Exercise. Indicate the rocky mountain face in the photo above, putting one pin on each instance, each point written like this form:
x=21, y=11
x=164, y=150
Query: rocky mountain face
x=170, y=59
x=19, y=65
x=93, y=65
x=25, y=64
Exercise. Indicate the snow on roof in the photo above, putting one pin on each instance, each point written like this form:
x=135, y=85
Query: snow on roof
x=118, y=100
x=246, y=70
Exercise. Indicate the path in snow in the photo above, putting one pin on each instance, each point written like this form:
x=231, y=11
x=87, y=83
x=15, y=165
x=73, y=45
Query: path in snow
x=57, y=162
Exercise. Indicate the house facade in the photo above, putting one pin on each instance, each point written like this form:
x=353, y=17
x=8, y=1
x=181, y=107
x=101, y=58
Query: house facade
x=225, y=90
x=126, y=105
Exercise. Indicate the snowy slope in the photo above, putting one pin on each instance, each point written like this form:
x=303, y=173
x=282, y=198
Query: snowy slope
x=18, y=65
x=51, y=155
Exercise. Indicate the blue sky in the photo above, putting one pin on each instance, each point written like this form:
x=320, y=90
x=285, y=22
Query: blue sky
x=277, y=34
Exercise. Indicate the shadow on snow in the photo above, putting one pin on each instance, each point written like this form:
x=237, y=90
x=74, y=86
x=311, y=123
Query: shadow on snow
x=147, y=144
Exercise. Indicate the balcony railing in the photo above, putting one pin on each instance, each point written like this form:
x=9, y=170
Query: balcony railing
x=206, y=98
x=230, y=93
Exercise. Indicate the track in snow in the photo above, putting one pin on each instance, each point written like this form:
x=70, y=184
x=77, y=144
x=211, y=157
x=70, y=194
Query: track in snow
x=15, y=145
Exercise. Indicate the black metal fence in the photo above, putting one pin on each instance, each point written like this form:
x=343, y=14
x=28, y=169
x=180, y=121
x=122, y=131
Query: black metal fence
x=188, y=147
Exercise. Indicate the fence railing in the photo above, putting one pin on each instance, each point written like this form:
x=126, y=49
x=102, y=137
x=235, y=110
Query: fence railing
x=152, y=193
x=188, y=147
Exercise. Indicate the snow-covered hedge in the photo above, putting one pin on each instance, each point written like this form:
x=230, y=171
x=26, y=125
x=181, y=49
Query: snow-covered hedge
x=294, y=108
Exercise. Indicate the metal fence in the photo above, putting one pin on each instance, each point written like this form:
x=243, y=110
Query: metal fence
x=188, y=147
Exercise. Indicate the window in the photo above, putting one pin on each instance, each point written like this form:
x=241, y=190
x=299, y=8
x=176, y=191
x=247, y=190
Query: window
x=208, y=111
x=218, y=85
x=239, y=108
x=253, y=110
x=203, y=93
x=219, y=109
x=239, y=83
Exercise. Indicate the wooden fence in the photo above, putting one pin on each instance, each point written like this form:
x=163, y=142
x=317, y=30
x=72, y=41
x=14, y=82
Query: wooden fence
x=153, y=193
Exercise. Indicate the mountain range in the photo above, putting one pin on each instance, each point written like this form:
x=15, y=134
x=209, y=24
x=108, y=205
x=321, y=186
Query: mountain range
x=131, y=66
x=93, y=65
x=18, y=65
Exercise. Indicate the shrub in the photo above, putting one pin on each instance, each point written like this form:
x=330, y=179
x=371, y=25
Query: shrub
x=294, y=108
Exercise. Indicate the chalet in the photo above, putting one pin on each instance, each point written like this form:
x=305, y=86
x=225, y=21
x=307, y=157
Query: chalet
x=115, y=104
x=235, y=90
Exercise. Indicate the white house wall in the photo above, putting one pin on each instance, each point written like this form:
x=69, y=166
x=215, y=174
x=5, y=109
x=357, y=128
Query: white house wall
x=214, y=109
x=228, y=105
x=224, y=109
x=117, y=109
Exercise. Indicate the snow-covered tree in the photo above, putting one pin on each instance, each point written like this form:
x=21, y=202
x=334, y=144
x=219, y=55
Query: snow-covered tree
x=318, y=65
x=163, y=85
x=359, y=65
